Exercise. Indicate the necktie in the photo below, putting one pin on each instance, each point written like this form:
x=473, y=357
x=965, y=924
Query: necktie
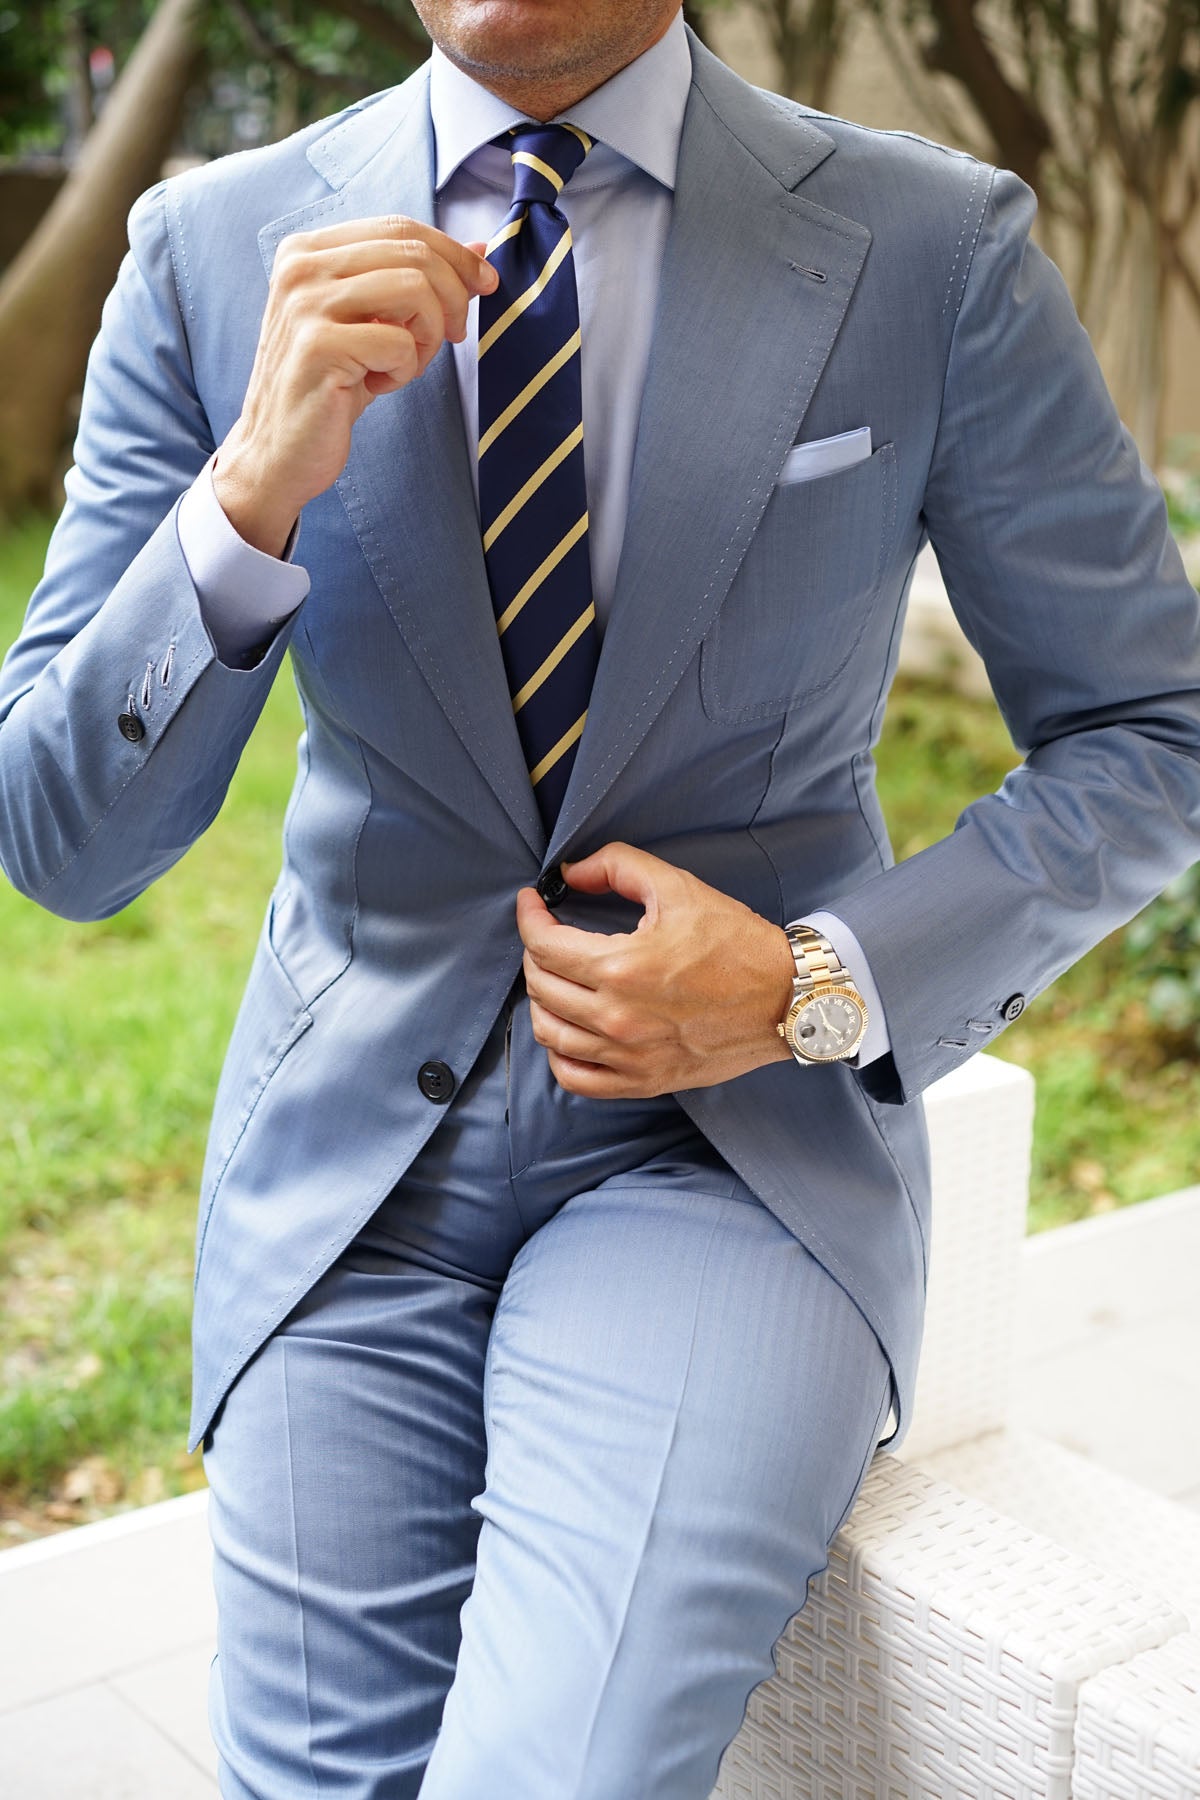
x=532, y=498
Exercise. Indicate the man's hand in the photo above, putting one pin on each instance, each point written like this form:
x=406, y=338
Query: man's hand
x=353, y=311
x=689, y=998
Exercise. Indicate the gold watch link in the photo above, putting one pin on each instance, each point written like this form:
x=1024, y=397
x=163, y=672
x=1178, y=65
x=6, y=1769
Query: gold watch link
x=827, y=1019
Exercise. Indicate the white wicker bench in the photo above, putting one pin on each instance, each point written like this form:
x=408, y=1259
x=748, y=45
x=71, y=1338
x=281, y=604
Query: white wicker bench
x=993, y=1623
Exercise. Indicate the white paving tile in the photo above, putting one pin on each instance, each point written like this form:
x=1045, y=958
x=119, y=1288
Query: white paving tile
x=173, y=1694
x=92, y=1745
x=1124, y=1407
x=85, y=1606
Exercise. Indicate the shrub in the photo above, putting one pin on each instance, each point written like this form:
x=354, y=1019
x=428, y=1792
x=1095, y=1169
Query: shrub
x=1163, y=944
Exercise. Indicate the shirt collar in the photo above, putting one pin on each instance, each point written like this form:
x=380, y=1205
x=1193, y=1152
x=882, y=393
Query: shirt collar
x=638, y=113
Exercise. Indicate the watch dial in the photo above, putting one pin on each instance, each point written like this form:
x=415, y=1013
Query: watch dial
x=827, y=1025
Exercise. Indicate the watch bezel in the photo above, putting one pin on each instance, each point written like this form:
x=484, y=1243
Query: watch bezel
x=802, y=1001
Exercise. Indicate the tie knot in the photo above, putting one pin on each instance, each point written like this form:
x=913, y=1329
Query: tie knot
x=544, y=159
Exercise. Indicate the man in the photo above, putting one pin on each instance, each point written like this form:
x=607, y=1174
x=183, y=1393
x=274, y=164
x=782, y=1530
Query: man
x=550, y=1302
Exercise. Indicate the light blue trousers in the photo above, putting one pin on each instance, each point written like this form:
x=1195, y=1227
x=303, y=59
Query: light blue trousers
x=516, y=1502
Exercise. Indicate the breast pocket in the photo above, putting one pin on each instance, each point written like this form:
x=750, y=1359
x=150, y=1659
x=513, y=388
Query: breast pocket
x=801, y=602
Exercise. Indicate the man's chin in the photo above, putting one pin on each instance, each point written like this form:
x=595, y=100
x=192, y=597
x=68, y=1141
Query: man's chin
x=529, y=41
x=524, y=37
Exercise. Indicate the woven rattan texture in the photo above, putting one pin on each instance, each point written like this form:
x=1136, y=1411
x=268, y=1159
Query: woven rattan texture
x=940, y=1657
x=1144, y=1538
x=1138, y=1736
x=980, y=1122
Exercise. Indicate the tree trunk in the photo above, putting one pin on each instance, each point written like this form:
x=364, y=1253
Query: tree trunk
x=51, y=295
x=1142, y=378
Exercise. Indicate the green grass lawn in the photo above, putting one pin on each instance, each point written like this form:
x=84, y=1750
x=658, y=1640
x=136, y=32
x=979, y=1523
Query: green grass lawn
x=111, y=1038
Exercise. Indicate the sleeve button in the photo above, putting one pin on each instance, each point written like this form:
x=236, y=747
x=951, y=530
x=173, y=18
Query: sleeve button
x=1012, y=1008
x=131, y=727
x=436, y=1081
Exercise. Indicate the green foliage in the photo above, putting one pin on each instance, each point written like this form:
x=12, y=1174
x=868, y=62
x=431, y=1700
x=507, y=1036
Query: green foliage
x=44, y=45
x=1162, y=947
x=271, y=65
x=107, y=1070
x=1182, y=486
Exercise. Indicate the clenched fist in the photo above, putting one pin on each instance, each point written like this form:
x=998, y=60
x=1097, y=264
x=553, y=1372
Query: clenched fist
x=691, y=997
x=353, y=311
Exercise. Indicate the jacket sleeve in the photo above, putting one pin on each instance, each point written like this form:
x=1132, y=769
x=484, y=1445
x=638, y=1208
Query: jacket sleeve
x=93, y=810
x=1053, y=541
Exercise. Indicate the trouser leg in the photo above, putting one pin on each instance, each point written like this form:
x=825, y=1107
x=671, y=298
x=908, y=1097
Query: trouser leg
x=342, y=1469
x=681, y=1406
x=578, y=1349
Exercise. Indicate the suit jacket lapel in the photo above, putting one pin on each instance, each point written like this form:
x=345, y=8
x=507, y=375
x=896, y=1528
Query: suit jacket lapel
x=407, y=485
x=745, y=328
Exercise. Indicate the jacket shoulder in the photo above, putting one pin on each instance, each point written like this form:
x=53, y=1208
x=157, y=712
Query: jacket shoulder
x=897, y=164
x=223, y=204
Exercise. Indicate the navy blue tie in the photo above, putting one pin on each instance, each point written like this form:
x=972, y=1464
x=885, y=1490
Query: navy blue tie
x=532, y=496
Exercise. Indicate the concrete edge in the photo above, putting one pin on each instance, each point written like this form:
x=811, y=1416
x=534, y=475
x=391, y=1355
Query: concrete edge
x=1142, y=1216
x=85, y=1537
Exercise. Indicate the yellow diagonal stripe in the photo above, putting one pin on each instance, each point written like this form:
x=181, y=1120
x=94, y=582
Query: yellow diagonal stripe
x=544, y=568
x=578, y=131
x=555, y=657
x=505, y=232
x=529, y=391
x=560, y=250
x=572, y=736
x=543, y=168
x=532, y=485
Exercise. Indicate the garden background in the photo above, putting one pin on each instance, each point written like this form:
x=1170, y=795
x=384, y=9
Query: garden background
x=111, y=1034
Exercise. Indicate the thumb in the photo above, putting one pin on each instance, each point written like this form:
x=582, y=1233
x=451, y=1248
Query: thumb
x=485, y=277
x=619, y=869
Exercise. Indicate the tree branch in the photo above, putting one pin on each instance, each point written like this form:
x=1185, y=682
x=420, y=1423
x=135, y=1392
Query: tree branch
x=272, y=50
x=962, y=49
x=385, y=27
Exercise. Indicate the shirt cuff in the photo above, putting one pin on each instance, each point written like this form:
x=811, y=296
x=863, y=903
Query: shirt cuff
x=876, y=1042
x=244, y=594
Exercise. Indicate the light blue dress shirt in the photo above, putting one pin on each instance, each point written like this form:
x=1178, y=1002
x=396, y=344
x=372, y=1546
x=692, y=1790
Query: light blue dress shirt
x=619, y=208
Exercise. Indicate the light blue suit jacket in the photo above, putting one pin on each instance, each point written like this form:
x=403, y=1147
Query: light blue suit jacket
x=818, y=277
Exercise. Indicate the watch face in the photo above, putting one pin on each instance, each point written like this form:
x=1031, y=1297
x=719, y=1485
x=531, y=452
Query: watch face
x=824, y=1027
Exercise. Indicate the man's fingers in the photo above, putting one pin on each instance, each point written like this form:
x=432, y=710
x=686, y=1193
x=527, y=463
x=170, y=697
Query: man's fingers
x=381, y=267
x=397, y=296
x=569, y=1000
x=568, y=1040
x=561, y=948
x=595, y=1082
x=621, y=869
x=468, y=264
x=377, y=348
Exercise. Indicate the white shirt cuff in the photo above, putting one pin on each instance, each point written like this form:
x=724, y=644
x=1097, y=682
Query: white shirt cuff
x=876, y=1043
x=244, y=594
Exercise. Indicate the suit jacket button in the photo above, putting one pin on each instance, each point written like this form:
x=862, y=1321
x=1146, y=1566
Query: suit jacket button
x=131, y=727
x=436, y=1081
x=552, y=886
x=1013, y=1007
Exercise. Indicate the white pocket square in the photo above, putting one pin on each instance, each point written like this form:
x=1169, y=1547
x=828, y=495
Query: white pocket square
x=824, y=456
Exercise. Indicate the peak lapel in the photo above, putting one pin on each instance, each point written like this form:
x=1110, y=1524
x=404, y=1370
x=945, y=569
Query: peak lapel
x=743, y=333
x=407, y=484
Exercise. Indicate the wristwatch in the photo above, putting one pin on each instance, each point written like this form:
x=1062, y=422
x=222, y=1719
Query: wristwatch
x=827, y=1019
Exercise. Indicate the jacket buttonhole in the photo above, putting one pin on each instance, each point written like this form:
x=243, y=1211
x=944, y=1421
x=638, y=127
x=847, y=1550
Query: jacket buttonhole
x=952, y=1043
